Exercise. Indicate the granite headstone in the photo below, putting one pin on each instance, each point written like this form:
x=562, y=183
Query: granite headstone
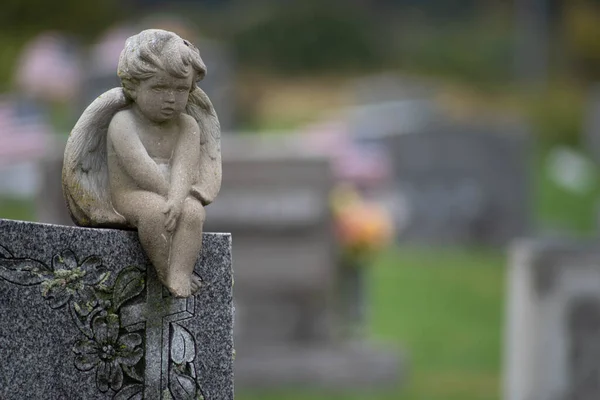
x=456, y=182
x=83, y=316
x=275, y=202
x=49, y=199
x=461, y=183
x=553, y=321
x=288, y=326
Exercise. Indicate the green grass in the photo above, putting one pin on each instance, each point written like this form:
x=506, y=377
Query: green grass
x=559, y=209
x=21, y=209
x=444, y=307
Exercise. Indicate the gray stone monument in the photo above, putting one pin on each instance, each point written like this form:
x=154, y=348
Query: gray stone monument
x=289, y=329
x=552, y=347
x=49, y=199
x=84, y=316
x=455, y=182
x=274, y=201
x=461, y=184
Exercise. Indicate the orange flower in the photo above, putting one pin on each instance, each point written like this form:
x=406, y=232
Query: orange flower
x=361, y=226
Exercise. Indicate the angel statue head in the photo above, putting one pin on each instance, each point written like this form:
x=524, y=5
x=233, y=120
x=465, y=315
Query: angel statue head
x=147, y=156
x=151, y=56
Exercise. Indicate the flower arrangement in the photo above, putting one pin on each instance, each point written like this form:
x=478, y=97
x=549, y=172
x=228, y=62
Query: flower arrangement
x=362, y=227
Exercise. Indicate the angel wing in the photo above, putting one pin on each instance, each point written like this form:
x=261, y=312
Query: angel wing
x=85, y=168
x=209, y=183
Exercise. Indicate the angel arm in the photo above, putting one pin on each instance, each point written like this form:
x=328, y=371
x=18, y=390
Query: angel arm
x=134, y=158
x=185, y=160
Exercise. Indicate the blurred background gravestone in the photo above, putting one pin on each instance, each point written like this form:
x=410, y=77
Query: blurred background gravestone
x=462, y=184
x=452, y=182
x=553, y=321
x=289, y=331
x=50, y=206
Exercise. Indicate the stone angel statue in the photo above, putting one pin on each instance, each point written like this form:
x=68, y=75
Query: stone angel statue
x=147, y=155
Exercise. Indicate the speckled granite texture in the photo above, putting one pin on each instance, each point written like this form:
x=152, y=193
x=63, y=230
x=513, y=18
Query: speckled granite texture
x=83, y=316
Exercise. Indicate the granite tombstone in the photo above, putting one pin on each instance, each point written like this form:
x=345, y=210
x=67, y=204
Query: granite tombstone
x=274, y=200
x=460, y=183
x=49, y=199
x=289, y=329
x=553, y=321
x=85, y=317
x=455, y=182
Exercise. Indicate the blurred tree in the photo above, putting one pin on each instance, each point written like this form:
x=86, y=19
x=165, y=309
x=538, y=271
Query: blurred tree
x=27, y=17
x=582, y=36
x=532, y=41
x=193, y=3
x=21, y=20
x=310, y=36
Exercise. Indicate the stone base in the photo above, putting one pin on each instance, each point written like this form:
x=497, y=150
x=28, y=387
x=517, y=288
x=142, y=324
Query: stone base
x=335, y=366
x=83, y=316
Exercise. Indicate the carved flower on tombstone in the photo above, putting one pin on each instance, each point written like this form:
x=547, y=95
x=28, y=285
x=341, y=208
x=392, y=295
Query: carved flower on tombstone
x=95, y=308
x=108, y=352
x=70, y=280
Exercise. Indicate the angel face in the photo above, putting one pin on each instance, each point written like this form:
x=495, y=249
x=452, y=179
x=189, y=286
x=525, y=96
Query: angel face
x=163, y=96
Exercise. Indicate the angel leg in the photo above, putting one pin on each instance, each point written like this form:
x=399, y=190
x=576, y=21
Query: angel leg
x=185, y=247
x=145, y=211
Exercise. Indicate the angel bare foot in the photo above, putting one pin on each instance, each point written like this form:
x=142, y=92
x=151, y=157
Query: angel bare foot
x=195, y=283
x=179, y=286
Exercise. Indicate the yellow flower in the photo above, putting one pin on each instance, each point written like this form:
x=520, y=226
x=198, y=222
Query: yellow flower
x=361, y=226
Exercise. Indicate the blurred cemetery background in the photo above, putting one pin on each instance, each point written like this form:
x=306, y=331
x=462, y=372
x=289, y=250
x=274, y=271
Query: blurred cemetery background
x=412, y=185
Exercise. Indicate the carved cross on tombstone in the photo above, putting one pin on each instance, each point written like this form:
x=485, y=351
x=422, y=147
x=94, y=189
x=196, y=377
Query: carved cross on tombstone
x=96, y=322
x=157, y=313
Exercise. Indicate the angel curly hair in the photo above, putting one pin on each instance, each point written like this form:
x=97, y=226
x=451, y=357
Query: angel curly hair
x=154, y=49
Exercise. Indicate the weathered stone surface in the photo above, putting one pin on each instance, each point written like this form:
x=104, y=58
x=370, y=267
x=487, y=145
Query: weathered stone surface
x=83, y=316
x=553, y=321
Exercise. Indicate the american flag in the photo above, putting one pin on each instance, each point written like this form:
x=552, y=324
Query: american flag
x=24, y=136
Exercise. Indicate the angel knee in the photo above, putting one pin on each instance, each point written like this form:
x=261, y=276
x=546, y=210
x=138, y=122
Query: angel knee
x=150, y=216
x=193, y=213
